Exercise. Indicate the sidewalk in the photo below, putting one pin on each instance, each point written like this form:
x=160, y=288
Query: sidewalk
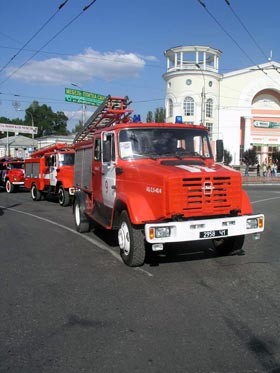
x=261, y=180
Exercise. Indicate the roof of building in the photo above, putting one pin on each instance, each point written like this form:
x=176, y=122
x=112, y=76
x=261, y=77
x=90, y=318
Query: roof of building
x=19, y=140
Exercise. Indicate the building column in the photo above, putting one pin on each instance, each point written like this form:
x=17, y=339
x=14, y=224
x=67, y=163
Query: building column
x=247, y=133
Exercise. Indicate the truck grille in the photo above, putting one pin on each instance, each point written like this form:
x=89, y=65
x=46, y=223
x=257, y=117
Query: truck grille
x=205, y=196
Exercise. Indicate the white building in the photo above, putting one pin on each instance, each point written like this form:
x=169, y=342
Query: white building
x=241, y=107
x=22, y=146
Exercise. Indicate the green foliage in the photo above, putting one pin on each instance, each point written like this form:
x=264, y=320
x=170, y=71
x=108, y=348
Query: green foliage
x=249, y=157
x=150, y=117
x=158, y=116
x=48, y=122
x=78, y=127
x=227, y=157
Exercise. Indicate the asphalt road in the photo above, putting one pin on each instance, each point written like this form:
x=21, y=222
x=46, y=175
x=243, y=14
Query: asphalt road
x=68, y=303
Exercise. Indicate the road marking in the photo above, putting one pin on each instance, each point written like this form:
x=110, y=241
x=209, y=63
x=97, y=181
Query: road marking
x=264, y=200
x=91, y=240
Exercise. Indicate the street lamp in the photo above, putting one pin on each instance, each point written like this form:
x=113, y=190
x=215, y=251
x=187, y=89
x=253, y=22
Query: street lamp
x=32, y=124
x=83, y=105
x=202, y=96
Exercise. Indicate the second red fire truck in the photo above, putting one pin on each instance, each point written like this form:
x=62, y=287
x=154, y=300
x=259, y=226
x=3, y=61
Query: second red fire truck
x=50, y=171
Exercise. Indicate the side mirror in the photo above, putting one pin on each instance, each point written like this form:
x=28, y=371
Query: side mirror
x=219, y=150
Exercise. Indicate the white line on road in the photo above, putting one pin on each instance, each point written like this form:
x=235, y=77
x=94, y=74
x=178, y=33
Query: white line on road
x=92, y=240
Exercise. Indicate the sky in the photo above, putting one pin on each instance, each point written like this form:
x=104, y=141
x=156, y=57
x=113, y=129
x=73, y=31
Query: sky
x=117, y=47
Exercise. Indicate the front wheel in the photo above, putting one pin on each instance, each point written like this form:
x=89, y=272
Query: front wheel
x=81, y=220
x=10, y=188
x=35, y=193
x=228, y=245
x=131, y=242
x=63, y=197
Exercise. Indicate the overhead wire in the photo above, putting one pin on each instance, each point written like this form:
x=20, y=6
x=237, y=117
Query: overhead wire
x=246, y=29
x=202, y=3
x=85, y=8
x=34, y=35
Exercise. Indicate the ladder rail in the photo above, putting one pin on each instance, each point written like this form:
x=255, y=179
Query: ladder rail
x=111, y=111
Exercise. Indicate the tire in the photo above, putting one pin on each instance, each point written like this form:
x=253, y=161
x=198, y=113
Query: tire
x=63, y=197
x=35, y=193
x=226, y=246
x=10, y=188
x=82, y=222
x=131, y=242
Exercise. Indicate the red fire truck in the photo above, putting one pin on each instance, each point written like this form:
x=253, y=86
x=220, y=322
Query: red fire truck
x=11, y=173
x=50, y=171
x=157, y=184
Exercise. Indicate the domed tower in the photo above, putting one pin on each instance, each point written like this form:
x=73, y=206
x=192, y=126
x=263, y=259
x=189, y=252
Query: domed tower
x=192, y=85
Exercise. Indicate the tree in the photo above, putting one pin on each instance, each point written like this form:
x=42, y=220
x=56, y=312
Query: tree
x=160, y=115
x=78, y=127
x=46, y=120
x=227, y=157
x=150, y=117
x=249, y=157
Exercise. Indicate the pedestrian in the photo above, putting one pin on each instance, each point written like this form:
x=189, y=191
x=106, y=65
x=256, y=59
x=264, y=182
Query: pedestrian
x=258, y=169
x=264, y=169
x=246, y=170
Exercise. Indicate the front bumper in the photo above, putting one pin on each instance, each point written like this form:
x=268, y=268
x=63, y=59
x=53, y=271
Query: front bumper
x=195, y=230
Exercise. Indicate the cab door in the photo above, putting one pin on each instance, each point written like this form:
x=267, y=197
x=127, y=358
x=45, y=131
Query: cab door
x=108, y=168
x=50, y=172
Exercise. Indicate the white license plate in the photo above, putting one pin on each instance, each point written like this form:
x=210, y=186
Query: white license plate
x=214, y=233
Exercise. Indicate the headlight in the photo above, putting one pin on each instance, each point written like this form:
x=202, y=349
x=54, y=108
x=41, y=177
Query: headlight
x=255, y=223
x=159, y=232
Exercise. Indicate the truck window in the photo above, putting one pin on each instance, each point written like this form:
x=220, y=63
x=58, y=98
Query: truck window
x=97, y=150
x=66, y=159
x=108, y=146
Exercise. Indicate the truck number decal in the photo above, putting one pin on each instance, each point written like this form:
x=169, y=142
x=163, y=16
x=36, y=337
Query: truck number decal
x=151, y=189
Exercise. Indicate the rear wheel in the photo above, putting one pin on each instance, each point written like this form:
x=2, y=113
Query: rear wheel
x=82, y=222
x=228, y=245
x=131, y=242
x=63, y=197
x=10, y=188
x=35, y=193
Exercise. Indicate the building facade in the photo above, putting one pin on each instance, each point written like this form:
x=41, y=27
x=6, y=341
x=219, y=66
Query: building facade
x=241, y=107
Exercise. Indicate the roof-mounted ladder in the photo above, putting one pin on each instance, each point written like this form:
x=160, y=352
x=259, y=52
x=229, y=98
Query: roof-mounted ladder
x=113, y=110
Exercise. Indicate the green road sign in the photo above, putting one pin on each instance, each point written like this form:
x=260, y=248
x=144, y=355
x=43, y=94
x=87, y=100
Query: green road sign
x=83, y=97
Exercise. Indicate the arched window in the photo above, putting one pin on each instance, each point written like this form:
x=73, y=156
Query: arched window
x=170, y=108
x=209, y=108
x=188, y=106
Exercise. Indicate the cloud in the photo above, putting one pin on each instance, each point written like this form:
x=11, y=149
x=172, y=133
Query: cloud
x=83, y=67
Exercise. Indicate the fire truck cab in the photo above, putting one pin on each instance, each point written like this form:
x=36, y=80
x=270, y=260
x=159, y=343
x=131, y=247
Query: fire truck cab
x=11, y=174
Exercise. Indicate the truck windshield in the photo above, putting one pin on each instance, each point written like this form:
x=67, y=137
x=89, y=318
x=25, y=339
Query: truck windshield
x=15, y=165
x=66, y=159
x=164, y=142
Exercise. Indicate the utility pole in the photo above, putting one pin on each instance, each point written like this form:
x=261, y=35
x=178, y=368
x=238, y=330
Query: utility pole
x=202, y=96
x=83, y=105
